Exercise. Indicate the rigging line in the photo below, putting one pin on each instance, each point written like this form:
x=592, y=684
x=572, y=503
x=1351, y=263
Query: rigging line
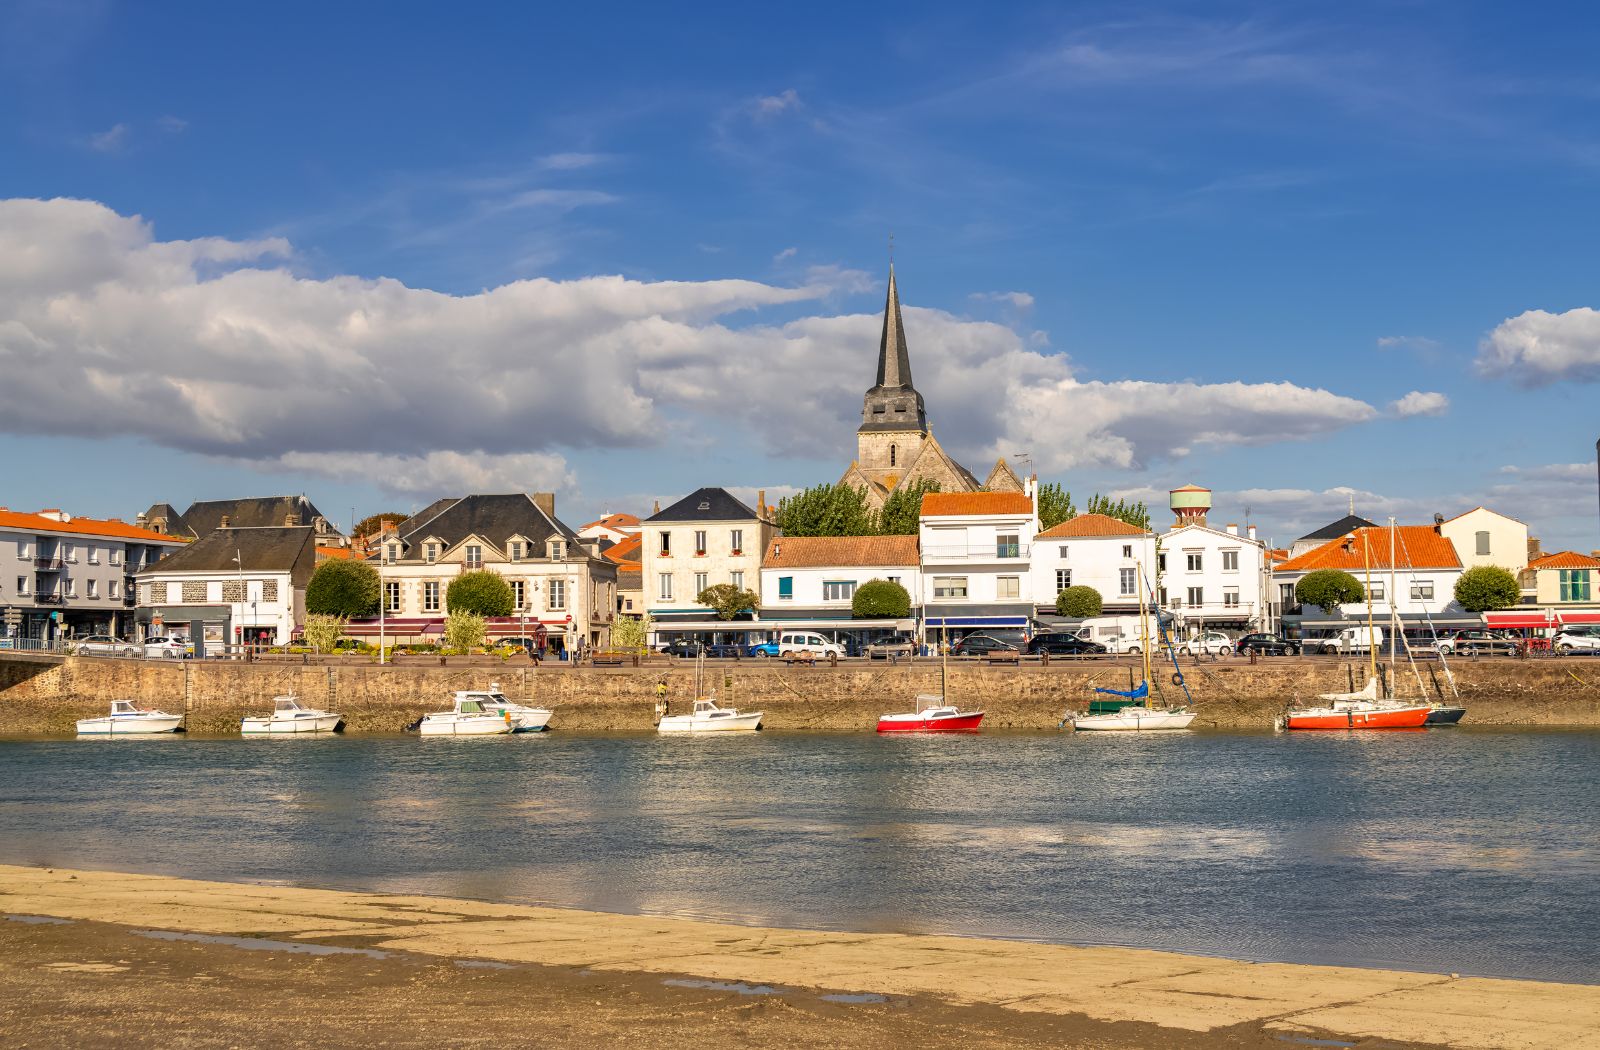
x=1448, y=674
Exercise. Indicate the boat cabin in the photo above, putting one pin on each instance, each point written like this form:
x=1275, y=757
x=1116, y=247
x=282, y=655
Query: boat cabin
x=286, y=705
x=123, y=707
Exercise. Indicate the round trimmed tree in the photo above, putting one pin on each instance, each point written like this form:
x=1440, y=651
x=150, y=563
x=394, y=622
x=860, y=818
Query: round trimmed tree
x=340, y=587
x=480, y=592
x=880, y=599
x=1486, y=587
x=1328, y=589
x=1078, y=602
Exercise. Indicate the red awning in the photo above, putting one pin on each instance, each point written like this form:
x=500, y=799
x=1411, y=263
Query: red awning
x=1538, y=618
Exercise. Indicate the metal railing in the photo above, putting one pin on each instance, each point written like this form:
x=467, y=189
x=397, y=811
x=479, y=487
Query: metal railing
x=48, y=565
x=49, y=599
x=976, y=552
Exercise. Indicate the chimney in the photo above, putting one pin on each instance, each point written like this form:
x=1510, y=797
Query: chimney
x=224, y=522
x=545, y=501
x=1438, y=522
x=139, y=521
x=761, y=503
x=291, y=519
x=1534, y=548
x=1233, y=529
x=1251, y=531
x=657, y=509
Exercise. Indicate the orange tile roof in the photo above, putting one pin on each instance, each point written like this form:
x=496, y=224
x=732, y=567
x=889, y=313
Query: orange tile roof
x=817, y=552
x=12, y=519
x=943, y=504
x=1277, y=554
x=613, y=521
x=343, y=553
x=1416, y=547
x=1565, y=560
x=1089, y=525
x=624, y=550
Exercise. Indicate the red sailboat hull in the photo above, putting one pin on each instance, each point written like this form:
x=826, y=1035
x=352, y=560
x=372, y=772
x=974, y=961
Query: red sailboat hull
x=1381, y=718
x=965, y=722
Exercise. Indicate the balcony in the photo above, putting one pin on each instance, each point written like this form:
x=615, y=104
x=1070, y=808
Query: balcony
x=130, y=599
x=981, y=552
x=42, y=564
x=49, y=599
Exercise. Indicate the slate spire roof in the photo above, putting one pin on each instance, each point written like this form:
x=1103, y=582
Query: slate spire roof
x=894, y=360
x=893, y=402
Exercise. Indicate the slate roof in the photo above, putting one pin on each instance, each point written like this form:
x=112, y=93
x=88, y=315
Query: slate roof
x=1416, y=547
x=255, y=512
x=630, y=579
x=174, y=520
x=496, y=518
x=1343, y=527
x=1090, y=525
x=292, y=550
x=817, y=552
x=942, y=504
x=110, y=527
x=1565, y=560
x=707, y=504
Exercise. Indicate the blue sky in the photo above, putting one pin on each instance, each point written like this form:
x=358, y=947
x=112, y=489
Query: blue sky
x=382, y=253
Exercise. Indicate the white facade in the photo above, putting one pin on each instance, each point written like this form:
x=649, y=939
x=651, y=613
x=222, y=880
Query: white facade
x=681, y=558
x=1112, y=565
x=1485, y=537
x=1211, y=576
x=1420, y=593
x=975, y=551
x=830, y=588
x=258, y=602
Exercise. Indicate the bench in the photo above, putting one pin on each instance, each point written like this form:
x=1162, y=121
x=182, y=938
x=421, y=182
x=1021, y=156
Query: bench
x=1004, y=658
x=607, y=661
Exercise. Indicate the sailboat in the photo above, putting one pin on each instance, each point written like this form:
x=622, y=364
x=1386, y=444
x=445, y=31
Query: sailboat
x=934, y=714
x=1132, y=712
x=707, y=716
x=1363, y=709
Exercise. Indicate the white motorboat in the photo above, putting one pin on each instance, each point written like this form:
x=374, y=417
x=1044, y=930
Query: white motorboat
x=524, y=718
x=467, y=717
x=709, y=718
x=289, y=715
x=127, y=718
x=1135, y=718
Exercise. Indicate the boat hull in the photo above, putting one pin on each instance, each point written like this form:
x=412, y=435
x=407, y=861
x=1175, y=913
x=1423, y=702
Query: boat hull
x=267, y=726
x=126, y=726
x=1382, y=718
x=1445, y=716
x=961, y=722
x=1130, y=720
x=478, y=725
x=690, y=724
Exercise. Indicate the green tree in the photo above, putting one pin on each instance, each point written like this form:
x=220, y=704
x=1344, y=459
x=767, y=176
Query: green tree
x=1486, y=587
x=902, y=511
x=1329, y=589
x=373, y=523
x=322, y=631
x=341, y=587
x=482, y=592
x=1078, y=602
x=729, y=601
x=464, y=630
x=1135, y=514
x=1055, y=506
x=827, y=510
x=879, y=599
x=631, y=633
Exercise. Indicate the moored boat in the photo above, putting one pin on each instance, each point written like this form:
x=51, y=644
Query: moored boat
x=127, y=718
x=707, y=717
x=1133, y=718
x=467, y=717
x=932, y=715
x=524, y=718
x=1445, y=715
x=1131, y=711
x=1358, y=714
x=289, y=715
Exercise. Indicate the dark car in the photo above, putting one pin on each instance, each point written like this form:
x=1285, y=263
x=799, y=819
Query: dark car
x=1267, y=645
x=687, y=648
x=981, y=645
x=1064, y=645
x=726, y=650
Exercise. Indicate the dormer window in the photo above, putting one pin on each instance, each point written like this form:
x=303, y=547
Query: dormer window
x=558, y=549
x=516, y=550
x=430, y=552
x=474, y=556
x=390, y=552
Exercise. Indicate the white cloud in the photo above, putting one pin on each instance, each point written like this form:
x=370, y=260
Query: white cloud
x=1420, y=403
x=110, y=140
x=215, y=347
x=773, y=105
x=1536, y=347
x=1020, y=300
x=570, y=161
x=787, y=253
x=172, y=125
x=1408, y=342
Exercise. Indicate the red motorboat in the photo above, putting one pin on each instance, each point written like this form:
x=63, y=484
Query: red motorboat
x=1358, y=715
x=933, y=715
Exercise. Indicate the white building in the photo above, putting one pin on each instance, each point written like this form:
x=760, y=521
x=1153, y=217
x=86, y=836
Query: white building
x=976, y=548
x=239, y=586
x=1214, y=578
x=613, y=528
x=558, y=581
x=1485, y=537
x=810, y=582
x=66, y=576
x=1092, y=550
x=704, y=539
x=1421, y=587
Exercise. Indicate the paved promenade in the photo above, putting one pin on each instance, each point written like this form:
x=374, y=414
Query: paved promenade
x=1013, y=991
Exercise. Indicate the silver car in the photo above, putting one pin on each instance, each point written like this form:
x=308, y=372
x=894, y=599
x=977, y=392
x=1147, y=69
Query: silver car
x=106, y=645
x=1576, y=642
x=169, y=646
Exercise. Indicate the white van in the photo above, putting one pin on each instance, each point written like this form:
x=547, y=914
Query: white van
x=807, y=642
x=1350, y=640
x=1119, y=634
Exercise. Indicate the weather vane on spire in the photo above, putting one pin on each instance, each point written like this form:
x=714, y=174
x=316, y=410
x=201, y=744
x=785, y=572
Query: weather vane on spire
x=891, y=247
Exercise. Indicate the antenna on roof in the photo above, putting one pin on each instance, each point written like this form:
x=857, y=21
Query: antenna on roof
x=1025, y=458
x=1352, y=503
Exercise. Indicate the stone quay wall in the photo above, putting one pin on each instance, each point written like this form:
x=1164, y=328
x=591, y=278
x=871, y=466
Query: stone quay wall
x=40, y=695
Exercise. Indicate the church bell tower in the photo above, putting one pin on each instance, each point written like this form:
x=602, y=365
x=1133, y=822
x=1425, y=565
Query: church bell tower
x=894, y=423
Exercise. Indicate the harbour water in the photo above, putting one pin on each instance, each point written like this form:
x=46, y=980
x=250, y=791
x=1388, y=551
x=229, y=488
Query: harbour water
x=1471, y=850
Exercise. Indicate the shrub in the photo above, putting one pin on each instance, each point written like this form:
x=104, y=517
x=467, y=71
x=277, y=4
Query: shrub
x=1329, y=589
x=340, y=587
x=1486, y=587
x=482, y=593
x=630, y=633
x=464, y=631
x=878, y=599
x=1078, y=602
x=322, y=631
x=729, y=601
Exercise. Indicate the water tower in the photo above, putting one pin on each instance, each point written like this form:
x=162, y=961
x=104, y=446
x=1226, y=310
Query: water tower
x=1190, y=505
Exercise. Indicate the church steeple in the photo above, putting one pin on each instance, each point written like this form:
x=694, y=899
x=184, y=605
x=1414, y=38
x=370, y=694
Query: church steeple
x=893, y=403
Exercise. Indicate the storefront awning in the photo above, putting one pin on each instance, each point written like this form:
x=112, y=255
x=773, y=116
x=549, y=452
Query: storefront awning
x=1541, y=618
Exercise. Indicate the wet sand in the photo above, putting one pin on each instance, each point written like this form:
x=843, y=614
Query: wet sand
x=242, y=967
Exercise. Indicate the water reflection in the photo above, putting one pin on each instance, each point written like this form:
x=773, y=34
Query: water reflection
x=1436, y=851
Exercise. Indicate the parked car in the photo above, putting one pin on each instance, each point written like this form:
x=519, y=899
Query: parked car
x=1479, y=643
x=981, y=645
x=894, y=645
x=1267, y=645
x=724, y=650
x=1347, y=640
x=1576, y=642
x=762, y=649
x=684, y=648
x=1064, y=645
x=106, y=645
x=1211, y=643
x=169, y=646
x=791, y=642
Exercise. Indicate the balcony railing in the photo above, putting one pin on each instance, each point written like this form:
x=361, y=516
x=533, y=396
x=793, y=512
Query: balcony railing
x=49, y=599
x=48, y=565
x=976, y=552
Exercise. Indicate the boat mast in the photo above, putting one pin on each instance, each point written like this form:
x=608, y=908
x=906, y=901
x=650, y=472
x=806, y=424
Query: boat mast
x=1394, y=613
x=1144, y=627
x=1366, y=560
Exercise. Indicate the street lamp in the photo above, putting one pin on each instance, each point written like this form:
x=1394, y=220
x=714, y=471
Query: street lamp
x=383, y=599
x=244, y=594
